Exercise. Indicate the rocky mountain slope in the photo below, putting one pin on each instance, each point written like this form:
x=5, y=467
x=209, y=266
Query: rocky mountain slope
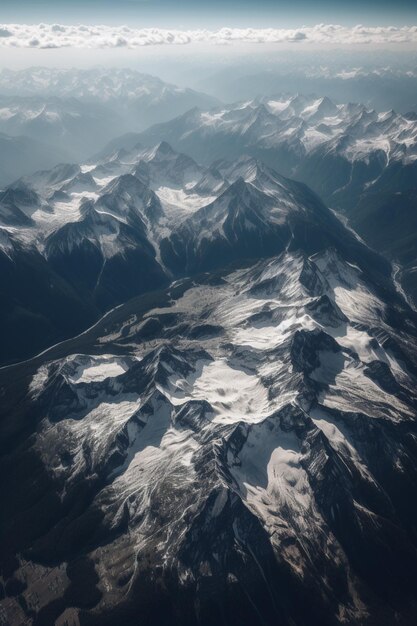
x=238, y=449
x=388, y=221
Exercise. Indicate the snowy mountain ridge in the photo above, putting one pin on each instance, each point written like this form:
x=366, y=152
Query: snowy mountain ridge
x=310, y=122
x=102, y=84
x=306, y=138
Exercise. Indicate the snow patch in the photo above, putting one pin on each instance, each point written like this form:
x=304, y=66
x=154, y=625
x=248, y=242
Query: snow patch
x=98, y=369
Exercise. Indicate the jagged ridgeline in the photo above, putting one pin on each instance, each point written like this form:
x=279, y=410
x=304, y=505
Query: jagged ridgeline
x=361, y=162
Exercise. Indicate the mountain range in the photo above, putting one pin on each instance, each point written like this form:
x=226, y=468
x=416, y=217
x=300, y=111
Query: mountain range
x=66, y=115
x=66, y=125
x=95, y=235
x=340, y=150
x=208, y=378
x=382, y=88
x=142, y=94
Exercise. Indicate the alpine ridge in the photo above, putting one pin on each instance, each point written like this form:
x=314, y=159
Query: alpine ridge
x=339, y=150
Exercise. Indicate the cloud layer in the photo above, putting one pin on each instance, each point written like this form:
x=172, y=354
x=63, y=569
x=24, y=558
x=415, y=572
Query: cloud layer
x=79, y=36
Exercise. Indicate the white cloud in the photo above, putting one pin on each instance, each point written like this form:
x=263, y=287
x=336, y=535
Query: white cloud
x=64, y=36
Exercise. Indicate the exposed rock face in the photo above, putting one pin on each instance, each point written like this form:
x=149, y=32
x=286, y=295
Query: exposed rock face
x=238, y=449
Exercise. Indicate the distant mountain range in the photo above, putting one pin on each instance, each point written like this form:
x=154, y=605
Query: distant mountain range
x=381, y=88
x=70, y=114
x=63, y=124
x=127, y=87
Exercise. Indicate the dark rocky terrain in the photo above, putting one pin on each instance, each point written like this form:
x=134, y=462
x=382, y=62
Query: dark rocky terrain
x=240, y=447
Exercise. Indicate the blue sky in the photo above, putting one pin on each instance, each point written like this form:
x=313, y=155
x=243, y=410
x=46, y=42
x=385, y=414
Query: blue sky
x=211, y=13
